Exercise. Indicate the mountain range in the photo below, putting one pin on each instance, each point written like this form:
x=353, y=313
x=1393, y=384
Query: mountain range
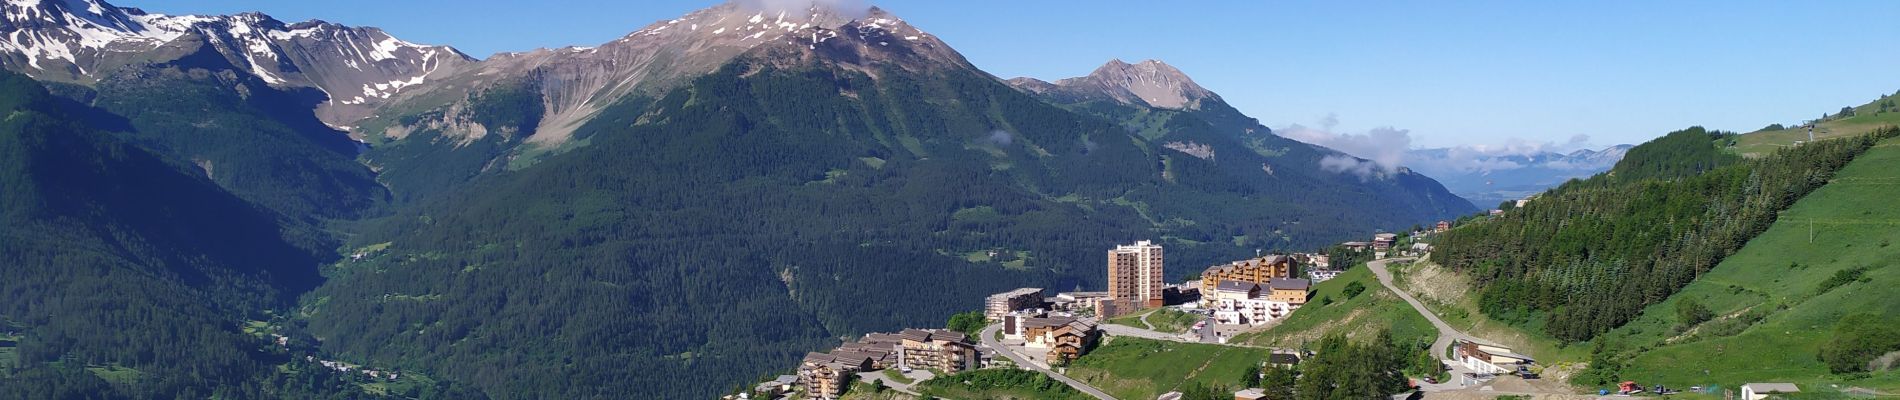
x=1488, y=178
x=709, y=196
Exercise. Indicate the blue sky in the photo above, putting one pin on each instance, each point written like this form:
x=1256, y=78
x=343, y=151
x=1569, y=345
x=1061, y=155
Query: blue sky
x=1450, y=73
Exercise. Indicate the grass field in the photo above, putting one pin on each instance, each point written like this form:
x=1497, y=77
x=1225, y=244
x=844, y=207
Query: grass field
x=1135, y=368
x=898, y=376
x=1867, y=118
x=1449, y=295
x=116, y=375
x=1358, y=318
x=861, y=390
x=1163, y=320
x=1849, y=223
x=999, y=383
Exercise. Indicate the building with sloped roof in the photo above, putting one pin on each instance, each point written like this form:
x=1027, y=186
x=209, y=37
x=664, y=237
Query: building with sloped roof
x=1289, y=290
x=1065, y=338
x=1759, y=391
x=945, y=350
x=1257, y=270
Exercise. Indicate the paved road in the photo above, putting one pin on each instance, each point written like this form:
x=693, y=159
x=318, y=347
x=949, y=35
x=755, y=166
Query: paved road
x=989, y=339
x=1446, y=334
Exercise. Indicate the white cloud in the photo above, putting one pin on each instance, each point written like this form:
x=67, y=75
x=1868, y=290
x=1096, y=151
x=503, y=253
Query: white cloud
x=1384, y=149
x=1364, y=169
x=1387, y=149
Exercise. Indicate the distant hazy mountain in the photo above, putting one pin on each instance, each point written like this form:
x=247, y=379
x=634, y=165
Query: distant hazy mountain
x=1488, y=177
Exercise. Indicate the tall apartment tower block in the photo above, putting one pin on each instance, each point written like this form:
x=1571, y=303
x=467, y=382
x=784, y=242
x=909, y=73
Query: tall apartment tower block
x=1134, y=278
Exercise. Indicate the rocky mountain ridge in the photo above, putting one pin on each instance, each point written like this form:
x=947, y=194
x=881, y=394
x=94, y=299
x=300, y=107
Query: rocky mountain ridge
x=83, y=41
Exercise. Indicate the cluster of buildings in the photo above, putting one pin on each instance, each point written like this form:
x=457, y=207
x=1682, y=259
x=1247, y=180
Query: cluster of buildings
x=1255, y=291
x=826, y=375
x=340, y=366
x=1062, y=338
x=1049, y=325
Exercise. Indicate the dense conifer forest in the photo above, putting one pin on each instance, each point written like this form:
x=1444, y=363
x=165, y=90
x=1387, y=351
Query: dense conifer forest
x=1589, y=256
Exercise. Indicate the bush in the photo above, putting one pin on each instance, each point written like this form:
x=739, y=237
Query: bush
x=1857, y=340
x=970, y=323
x=1354, y=289
x=1690, y=313
x=1840, y=278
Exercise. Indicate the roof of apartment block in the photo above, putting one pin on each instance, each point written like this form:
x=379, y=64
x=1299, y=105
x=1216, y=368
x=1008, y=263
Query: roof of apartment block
x=1290, y=284
x=1236, y=286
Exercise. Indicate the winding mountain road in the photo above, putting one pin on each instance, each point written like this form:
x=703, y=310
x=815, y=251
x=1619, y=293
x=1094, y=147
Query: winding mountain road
x=1446, y=334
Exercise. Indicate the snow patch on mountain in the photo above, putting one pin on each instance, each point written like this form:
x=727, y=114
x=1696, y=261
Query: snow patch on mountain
x=82, y=41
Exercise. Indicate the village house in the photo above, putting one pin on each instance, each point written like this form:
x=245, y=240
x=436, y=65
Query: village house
x=781, y=385
x=1251, y=394
x=1065, y=338
x=1490, y=359
x=1442, y=227
x=1321, y=275
x=1079, y=301
x=1382, y=244
x=1313, y=260
x=1356, y=246
x=1290, y=291
x=1759, y=391
x=1002, y=303
x=1384, y=241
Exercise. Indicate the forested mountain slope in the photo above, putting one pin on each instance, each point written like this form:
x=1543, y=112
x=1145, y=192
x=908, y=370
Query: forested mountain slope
x=812, y=178
x=1811, y=300
x=797, y=195
x=112, y=258
x=1166, y=107
x=806, y=191
x=1589, y=256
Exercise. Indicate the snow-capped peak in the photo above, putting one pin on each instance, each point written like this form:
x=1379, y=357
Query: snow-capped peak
x=82, y=41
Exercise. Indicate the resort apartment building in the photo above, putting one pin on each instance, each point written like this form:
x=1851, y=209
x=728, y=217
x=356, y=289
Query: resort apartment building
x=1256, y=270
x=1001, y=304
x=1135, y=278
x=943, y=350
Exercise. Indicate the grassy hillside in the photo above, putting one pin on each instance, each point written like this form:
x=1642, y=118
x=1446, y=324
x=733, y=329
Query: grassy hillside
x=1160, y=319
x=1135, y=368
x=1866, y=118
x=1778, y=278
x=1589, y=256
x=999, y=384
x=1449, y=295
x=1357, y=317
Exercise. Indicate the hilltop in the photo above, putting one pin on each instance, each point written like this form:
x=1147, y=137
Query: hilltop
x=1847, y=122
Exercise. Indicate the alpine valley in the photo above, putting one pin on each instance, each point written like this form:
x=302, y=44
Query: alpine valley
x=239, y=207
